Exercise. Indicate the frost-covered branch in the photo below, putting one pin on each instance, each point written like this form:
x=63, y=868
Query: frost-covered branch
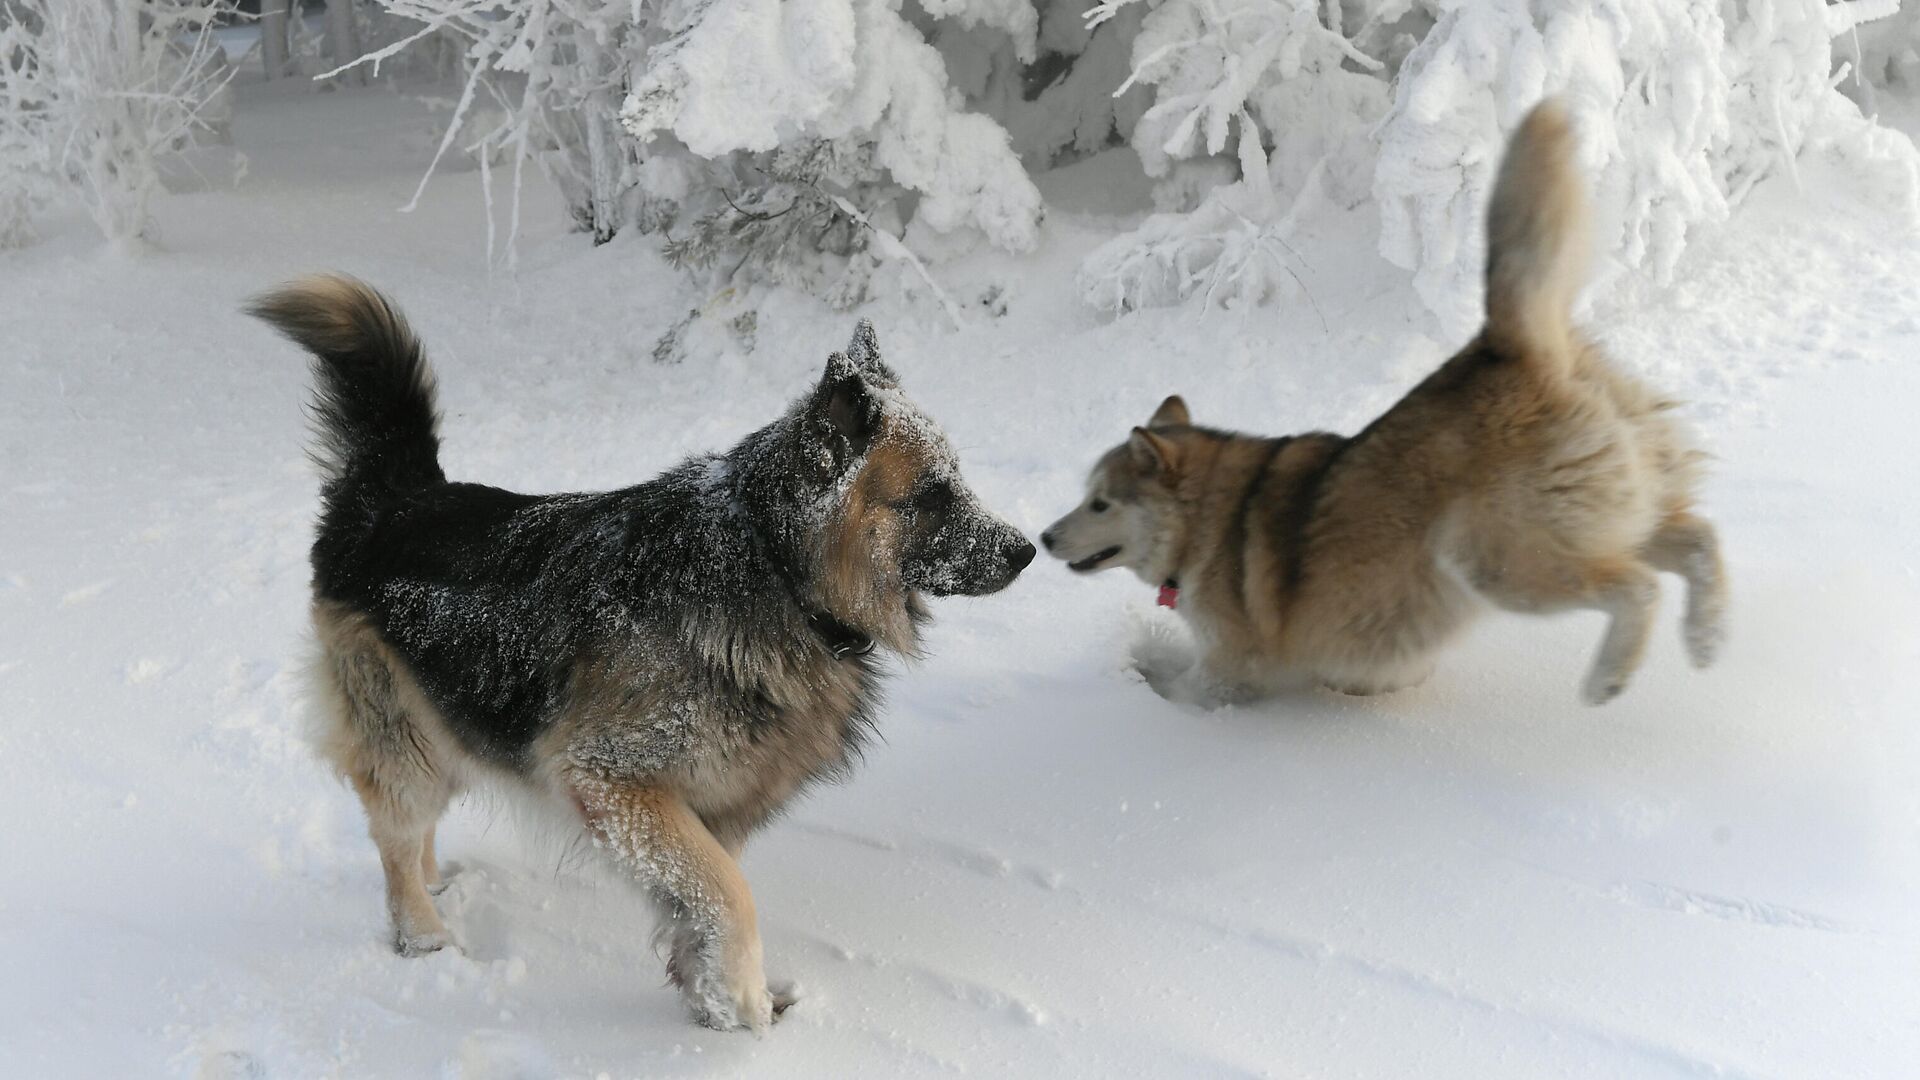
x=647, y=115
x=1684, y=105
x=26, y=129
x=1260, y=104
x=95, y=93
x=752, y=75
x=892, y=248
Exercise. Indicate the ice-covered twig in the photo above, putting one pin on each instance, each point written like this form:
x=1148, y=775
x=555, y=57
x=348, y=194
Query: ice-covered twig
x=891, y=246
x=1103, y=11
x=1844, y=15
x=378, y=55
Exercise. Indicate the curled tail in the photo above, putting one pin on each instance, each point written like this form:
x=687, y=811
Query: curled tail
x=1537, y=241
x=373, y=408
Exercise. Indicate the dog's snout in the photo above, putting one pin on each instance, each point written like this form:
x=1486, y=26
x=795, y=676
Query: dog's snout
x=1019, y=554
x=1046, y=539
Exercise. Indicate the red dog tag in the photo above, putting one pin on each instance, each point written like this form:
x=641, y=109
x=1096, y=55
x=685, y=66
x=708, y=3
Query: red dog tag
x=1169, y=595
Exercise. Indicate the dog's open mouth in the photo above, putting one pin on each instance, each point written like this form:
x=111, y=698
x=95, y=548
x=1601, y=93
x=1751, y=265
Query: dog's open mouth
x=1093, y=560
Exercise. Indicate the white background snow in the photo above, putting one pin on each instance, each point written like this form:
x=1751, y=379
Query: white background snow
x=1044, y=869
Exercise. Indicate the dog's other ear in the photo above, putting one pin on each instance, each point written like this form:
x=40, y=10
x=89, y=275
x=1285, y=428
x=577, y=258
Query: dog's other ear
x=864, y=353
x=1171, y=413
x=864, y=349
x=843, y=413
x=1155, y=454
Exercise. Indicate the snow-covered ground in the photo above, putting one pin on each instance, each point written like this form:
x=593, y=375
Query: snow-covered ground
x=1044, y=869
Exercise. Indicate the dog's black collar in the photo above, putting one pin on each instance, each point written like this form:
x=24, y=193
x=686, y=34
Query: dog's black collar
x=840, y=639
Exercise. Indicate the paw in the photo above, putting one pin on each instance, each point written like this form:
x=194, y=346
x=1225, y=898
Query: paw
x=786, y=994
x=1160, y=655
x=410, y=943
x=1163, y=673
x=722, y=1008
x=1603, y=686
x=1203, y=690
x=726, y=996
x=1162, y=681
x=1704, y=637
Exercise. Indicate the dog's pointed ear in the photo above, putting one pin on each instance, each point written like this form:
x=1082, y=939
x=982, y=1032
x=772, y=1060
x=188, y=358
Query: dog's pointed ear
x=864, y=349
x=840, y=368
x=1155, y=454
x=864, y=353
x=843, y=414
x=1171, y=413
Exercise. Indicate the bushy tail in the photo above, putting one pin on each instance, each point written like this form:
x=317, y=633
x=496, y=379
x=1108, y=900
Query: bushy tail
x=1537, y=241
x=373, y=392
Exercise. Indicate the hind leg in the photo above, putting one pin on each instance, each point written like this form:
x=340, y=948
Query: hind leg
x=1625, y=588
x=401, y=822
x=375, y=741
x=1629, y=594
x=1688, y=546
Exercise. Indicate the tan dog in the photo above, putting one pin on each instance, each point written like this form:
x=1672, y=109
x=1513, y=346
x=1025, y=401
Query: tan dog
x=1526, y=472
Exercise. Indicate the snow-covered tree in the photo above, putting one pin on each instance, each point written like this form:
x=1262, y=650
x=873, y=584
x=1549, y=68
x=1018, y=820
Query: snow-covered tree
x=26, y=141
x=772, y=137
x=109, y=89
x=1262, y=105
x=1881, y=42
x=1683, y=104
x=547, y=76
x=818, y=142
x=343, y=41
x=273, y=38
x=1057, y=101
x=744, y=79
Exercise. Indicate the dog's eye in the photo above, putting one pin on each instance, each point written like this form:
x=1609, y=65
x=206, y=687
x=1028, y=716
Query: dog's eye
x=934, y=498
x=1098, y=506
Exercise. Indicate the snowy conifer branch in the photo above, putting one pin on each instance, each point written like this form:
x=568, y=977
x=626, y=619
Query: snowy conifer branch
x=891, y=247
x=753, y=130
x=1261, y=104
x=1685, y=106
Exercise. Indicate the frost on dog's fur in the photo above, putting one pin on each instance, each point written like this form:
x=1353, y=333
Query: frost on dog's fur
x=676, y=660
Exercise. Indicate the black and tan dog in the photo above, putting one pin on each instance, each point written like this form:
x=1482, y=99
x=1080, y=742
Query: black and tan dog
x=670, y=663
x=1527, y=472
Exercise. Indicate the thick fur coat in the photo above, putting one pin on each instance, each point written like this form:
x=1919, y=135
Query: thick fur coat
x=1527, y=473
x=671, y=662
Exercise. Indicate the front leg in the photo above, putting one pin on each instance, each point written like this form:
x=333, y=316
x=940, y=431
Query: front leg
x=1211, y=682
x=715, y=960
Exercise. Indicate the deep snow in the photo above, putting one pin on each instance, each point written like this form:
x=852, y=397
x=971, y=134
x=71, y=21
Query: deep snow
x=1044, y=869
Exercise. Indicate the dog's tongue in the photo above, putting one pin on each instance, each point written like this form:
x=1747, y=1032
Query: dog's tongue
x=1169, y=595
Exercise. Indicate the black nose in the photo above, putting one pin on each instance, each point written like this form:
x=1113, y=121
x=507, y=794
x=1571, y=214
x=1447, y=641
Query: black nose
x=1019, y=554
x=1047, y=539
